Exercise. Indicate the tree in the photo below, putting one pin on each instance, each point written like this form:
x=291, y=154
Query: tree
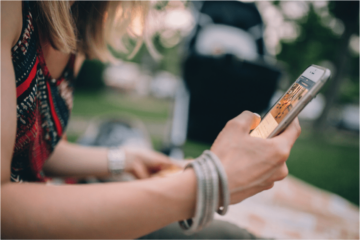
x=318, y=43
x=348, y=12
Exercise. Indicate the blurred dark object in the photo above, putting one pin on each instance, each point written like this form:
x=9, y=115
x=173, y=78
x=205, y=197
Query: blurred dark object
x=226, y=68
x=222, y=88
x=348, y=13
x=90, y=76
x=112, y=131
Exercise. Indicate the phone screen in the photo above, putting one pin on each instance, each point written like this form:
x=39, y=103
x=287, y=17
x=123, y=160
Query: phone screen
x=287, y=102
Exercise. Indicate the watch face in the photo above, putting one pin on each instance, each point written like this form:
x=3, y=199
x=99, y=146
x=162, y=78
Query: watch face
x=116, y=160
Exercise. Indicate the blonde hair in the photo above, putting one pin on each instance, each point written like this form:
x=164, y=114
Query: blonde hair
x=91, y=27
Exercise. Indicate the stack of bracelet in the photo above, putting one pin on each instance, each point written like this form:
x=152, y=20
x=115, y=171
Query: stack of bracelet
x=209, y=173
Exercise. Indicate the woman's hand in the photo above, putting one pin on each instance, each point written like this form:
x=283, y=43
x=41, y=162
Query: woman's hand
x=253, y=164
x=143, y=162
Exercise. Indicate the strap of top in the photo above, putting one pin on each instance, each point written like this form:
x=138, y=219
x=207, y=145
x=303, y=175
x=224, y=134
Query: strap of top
x=28, y=33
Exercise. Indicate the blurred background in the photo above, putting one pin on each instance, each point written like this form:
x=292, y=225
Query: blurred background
x=216, y=59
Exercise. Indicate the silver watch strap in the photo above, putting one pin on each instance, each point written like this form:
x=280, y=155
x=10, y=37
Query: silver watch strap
x=116, y=160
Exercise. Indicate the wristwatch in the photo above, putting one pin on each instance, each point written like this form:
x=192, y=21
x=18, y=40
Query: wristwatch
x=116, y=160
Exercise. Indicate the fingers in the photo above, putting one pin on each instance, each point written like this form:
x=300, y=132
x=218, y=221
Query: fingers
x=256, y=121
x=181, y=163
x=245, y=121
x=160, y=158
x=156, y=161
x=281, y=173
x=140, y=170
x=289, y=136
x=267, y=187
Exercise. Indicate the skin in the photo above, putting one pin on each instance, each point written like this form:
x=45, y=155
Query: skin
x=127, y=209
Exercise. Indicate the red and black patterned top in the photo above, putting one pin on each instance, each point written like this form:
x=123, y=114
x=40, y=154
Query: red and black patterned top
x=43, y=104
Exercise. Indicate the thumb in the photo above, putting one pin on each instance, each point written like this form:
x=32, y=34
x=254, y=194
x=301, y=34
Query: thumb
x=247, y=121
x=255, y=122
x=160, y=158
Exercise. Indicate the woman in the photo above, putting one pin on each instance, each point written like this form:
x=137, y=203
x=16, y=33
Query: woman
x=38, y=45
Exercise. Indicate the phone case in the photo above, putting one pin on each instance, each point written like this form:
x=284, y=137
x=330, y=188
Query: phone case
x=301, y=105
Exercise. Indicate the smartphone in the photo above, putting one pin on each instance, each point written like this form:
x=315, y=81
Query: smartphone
x=301, y=92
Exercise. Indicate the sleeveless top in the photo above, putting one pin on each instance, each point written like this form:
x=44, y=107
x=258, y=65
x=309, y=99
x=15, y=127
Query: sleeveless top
x=43, y=103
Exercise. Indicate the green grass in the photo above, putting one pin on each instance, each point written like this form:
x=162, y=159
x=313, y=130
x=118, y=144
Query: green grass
x=332, y=166
x=330, y=162
x=108, y=102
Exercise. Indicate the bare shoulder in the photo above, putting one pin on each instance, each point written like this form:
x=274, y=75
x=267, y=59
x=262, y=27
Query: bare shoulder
x=79, y=60
x=11, y=21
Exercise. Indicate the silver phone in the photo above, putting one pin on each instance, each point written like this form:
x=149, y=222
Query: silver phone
x=301, y=92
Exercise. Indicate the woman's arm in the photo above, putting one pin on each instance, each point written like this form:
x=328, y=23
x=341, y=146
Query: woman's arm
x=112, y=210
x=132, y=209
x=73, y=160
